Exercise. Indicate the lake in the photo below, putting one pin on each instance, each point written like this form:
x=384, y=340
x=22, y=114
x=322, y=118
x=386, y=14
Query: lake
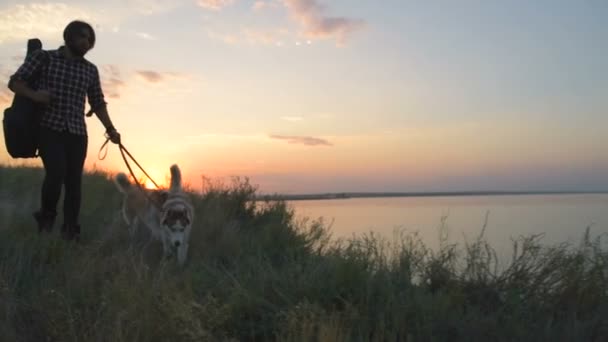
x=561, y=218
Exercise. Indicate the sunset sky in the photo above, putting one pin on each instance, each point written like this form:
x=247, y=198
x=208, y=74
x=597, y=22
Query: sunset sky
x=306, y=96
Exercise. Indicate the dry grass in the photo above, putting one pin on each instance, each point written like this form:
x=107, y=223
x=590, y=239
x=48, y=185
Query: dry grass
x=255, y=273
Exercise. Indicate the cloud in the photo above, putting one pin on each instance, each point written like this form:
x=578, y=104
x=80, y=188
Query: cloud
x=264, y=37
x=261, y=5
x=44, y=20
x=258, y=5
x=152, y=76
x=111, y=81
x=151, y=7
x=117, y=81
x=47, y=19
x=214, y=5
x=227, y=38
x=252, y=36
x=292, y=118
x=145, y=36
x=308, y=141
x=310, y=15
x=218, y=140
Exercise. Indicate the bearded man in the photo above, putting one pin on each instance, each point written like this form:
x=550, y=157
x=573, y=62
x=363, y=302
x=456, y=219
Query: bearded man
x=65, y=80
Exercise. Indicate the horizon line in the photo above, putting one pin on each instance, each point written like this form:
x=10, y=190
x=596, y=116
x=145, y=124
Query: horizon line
x=371, y=194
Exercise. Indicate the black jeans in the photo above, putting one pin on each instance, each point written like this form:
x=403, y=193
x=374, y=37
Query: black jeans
x=63, y=156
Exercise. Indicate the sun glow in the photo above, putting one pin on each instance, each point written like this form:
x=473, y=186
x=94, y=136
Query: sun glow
x=149, y=185
x=161, y=179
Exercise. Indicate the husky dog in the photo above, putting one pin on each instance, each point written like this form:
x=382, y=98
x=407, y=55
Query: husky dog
x=167, y=214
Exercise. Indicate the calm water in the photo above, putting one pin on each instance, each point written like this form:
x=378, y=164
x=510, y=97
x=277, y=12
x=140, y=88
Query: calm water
x=561, y=217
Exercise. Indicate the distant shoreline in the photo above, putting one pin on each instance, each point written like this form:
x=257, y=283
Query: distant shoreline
x=349, y=195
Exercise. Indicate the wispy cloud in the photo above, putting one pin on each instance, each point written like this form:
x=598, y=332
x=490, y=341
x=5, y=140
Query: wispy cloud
x=214, y=5
x=253, y=37
x=226, y=38
x=159, y=76
x=150, y=76
x=308, y=14
x=111, y=81
x=265, y=37
x=114, y=83
x=261, y=5
x=145, y=36
x=43, y=20
x=292, y=118
x=47, y=19
x=150, y=7
x=212, y=139
x=302, y=140
x=316, y=25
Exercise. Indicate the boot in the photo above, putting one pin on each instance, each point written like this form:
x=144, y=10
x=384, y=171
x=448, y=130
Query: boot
x=45, y=221
x=70, y=232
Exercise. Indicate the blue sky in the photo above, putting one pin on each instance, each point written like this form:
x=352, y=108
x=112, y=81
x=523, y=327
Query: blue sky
x=316, y=95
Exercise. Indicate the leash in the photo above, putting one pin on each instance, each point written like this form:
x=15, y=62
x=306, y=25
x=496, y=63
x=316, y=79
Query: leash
x=123, y=151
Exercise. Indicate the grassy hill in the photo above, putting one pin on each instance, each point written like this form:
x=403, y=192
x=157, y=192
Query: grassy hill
x=257, y=273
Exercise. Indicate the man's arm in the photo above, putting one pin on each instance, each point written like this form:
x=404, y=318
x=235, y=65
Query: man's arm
x=20, y=87
x=104, y=117
x=98, y=105
x=32, y=66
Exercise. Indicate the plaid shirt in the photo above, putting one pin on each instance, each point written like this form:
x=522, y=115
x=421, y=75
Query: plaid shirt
x=69, y=81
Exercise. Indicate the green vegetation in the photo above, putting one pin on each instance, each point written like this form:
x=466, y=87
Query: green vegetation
x=255, y=272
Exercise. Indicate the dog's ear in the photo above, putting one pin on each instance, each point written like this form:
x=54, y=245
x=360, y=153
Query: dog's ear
x=164, y=195
x=122, y=182
x=159, y=196
x=163, y=217
x=176, y=179
x=190, y=213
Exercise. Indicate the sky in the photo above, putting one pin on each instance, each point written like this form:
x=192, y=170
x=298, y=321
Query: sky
x=309, y=96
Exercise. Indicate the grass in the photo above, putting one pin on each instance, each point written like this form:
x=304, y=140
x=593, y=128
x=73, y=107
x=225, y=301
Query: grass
x=256, y=273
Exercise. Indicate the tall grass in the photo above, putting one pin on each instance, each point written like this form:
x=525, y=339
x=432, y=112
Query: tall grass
x=255, y=272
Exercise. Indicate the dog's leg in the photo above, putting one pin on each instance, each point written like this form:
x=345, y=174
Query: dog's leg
x=124, y=212
x=166, y=248
x=182, y=254
x=133, y=227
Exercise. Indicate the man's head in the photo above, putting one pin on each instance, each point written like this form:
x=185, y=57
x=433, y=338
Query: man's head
x=79, y=37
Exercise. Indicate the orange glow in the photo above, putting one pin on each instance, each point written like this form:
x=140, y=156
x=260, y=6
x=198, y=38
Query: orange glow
x=160, y=178
x=149, y=185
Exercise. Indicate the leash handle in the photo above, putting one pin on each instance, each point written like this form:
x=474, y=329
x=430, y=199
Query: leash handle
x=105, y=151
x=123, y=150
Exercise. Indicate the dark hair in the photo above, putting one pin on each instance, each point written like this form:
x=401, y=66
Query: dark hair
x=76, y=27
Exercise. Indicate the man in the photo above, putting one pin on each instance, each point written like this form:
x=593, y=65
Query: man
x=66, y=79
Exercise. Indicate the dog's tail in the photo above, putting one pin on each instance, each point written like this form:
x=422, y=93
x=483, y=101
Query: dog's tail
x=176, y=179
x=122, y=182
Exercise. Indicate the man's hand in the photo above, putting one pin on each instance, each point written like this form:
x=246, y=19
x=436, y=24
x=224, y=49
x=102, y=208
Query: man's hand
x=113, y=135
x=42, y=96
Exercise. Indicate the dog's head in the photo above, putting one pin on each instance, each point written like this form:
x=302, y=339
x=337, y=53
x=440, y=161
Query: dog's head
x=176, y=221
